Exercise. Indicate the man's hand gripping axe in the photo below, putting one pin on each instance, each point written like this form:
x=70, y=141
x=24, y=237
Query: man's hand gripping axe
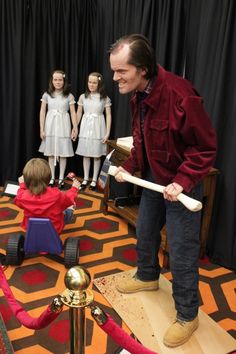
x=108, y=169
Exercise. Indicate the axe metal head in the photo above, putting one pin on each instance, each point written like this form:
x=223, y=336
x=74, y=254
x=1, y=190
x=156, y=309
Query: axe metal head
x=103, y=177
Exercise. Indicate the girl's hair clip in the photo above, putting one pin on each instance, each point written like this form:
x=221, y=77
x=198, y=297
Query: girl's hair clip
x=64, y=75
x=99, y=78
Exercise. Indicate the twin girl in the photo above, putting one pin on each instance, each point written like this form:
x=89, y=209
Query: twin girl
x=58, y=115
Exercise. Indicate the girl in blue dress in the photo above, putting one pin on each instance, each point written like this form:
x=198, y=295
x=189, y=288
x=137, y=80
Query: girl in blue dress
x=56, y=130
x=94, y=126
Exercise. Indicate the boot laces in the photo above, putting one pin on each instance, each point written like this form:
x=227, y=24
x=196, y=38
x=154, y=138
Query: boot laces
x=181, y=322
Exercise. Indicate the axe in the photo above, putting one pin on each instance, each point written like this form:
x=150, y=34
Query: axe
x=108, y=169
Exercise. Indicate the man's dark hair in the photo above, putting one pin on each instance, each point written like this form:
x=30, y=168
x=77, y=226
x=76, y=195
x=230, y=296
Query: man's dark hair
x=142, y=55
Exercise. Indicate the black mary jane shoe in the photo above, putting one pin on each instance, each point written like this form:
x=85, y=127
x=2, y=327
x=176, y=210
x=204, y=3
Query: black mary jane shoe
x=83, y=185
x=52, y=182
x=93, y=185
x=60, y=183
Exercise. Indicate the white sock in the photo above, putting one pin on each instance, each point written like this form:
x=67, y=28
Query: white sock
x=86, y=166
x=96, y=168
x=62, y=164
x=51, y=165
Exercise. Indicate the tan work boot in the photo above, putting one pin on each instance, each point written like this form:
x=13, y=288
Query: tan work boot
x=134, y=285
x=180, y=332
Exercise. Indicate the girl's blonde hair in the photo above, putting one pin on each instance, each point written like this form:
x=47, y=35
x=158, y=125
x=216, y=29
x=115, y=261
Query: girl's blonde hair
x=37, y=175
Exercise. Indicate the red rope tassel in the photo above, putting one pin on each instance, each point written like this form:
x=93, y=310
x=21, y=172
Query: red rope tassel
x=117, y=333
x=33, y=323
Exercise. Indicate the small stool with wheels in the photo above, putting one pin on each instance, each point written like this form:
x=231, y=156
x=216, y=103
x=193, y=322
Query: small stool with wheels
x=41, y=237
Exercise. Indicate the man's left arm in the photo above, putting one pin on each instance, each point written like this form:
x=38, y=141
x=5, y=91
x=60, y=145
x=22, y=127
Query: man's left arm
x=200, y=139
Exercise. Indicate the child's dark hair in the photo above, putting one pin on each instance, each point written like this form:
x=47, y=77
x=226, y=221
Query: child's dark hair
x=37, y=175
x=101, y=88
x=66, y=86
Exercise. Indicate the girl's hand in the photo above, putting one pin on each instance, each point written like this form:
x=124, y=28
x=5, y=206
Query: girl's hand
x=74, y=134
x=21, y=179
x=104, y=140
x=76, y=183
x=42, y=134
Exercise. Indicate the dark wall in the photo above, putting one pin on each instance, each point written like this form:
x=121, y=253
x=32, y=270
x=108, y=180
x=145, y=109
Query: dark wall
x=193, y=38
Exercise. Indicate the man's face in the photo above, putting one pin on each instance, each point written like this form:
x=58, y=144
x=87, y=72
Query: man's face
x=128, y=77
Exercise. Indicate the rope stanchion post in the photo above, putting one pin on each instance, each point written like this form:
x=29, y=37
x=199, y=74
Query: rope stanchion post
x=77, y=297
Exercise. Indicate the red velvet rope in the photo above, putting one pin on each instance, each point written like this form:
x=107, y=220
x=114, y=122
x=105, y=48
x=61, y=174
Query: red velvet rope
x=33, y=323
x=123, y=339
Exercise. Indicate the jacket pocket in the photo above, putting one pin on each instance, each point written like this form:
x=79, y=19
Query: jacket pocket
x=159, y=124
x=159, y=134
x=160, y=156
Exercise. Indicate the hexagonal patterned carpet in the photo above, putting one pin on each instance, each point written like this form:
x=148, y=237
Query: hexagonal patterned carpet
x=107, y=246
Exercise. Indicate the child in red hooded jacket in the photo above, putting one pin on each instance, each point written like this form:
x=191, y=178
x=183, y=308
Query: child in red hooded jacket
x=40, y=201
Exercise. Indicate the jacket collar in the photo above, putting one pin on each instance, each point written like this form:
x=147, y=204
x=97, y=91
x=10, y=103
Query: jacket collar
x=152, y=97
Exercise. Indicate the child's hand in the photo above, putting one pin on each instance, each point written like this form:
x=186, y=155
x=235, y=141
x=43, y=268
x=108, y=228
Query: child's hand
x=42, y=134
x=104, y=140
x=21, y=179
x=76, y=183
x=74, y=134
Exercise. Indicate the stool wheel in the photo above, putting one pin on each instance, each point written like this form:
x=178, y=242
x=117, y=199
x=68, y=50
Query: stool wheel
x=71, y=252
x=15, y=249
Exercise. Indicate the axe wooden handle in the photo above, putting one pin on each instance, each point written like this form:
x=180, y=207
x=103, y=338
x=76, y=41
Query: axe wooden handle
x=189, y=203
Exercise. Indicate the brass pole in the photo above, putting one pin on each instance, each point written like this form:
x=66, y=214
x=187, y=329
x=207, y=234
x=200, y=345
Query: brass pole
x=77, y=297
x=77, y=330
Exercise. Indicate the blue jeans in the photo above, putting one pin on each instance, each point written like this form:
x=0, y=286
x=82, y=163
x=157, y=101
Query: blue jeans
x=183, y=229
x=68, y=214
